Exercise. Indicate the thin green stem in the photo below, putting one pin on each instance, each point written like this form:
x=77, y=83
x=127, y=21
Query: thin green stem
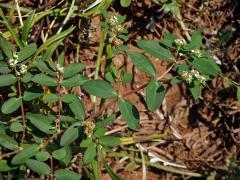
x=69, y=14
x=98, y=62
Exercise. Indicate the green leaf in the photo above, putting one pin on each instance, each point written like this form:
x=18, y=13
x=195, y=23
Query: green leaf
x=238, y=93
x=11, y=105
x=95, y=169
x=68, y=98
x=142, y=63
x=100, y=88
x=205, y=66
x=42, y=156
x=45, y=80
x=126, y=77
x=105, y=122
x=74, y=81
x=154, y=95
x=125, y=3
x=42, y=122
x=26, y=26
x=26, y=78
x=107, y=167
x=60, y=59
x=27, y=52
x=109, y=141
x=59, y=153
x=65, y=174
x=70, y=135
x=168, y=40
x=33, y=93
x=77, y=107
x=72, y=69
x=86, y=143
x=7, y=80
x=50, y=50
x=10, y=28
x=25, y=154
x=129, y=113
x=16, y=127
x=6, y=47
x=4, y=166
x=52, y=40
x=39, y=167
x=51, y=98
x=44, y=67
x=195, y=89
x=67, y=159
x=196, y=41
x=8, y=142
x=90, y=154
x=4, y=68
x=154, y=48
x=100, y=132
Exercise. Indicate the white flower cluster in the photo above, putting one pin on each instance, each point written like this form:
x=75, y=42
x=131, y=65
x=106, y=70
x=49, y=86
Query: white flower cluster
x=188, y=76
x=12, y=62
x=198, y=76
x=180, y=42
x=60, y=68
x=113, y=20
x=23, y=69
x=196, y=52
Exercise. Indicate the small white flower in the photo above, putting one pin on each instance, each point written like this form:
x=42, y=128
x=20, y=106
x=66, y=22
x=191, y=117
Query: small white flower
x=187, y=76
x=198, y=76
x=60, y=68
x=12, y=62
x=23, y=69
x=113, y=20
x=180, y=42
x=119, y=28
x=196, y=52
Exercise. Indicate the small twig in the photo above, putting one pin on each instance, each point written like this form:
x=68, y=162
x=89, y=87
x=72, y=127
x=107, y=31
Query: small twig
x=170, y=169
x=19, y=13
x=22, y=110
x=9, y=154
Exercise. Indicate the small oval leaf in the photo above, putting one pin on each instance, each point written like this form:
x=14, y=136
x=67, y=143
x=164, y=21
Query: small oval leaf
x=8, y=142
x=39, y=167
x=51, y=98
x=64, y=174
x=70, y=135
x=42, y=122
x=109, y=141
x=154, y=48
x=11, y=105
x=25, y=154
x=27, y=52
x=129, y=113
x=7, y=80
x=45, y=80
x=72, y=69
x=74, y=81
x=100, y=88
x=142, y=63
x=154, y=95
x=77, y=107
x=90, y=154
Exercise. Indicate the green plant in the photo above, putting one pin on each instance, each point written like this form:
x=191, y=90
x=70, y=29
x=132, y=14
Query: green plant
x=43, y=118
